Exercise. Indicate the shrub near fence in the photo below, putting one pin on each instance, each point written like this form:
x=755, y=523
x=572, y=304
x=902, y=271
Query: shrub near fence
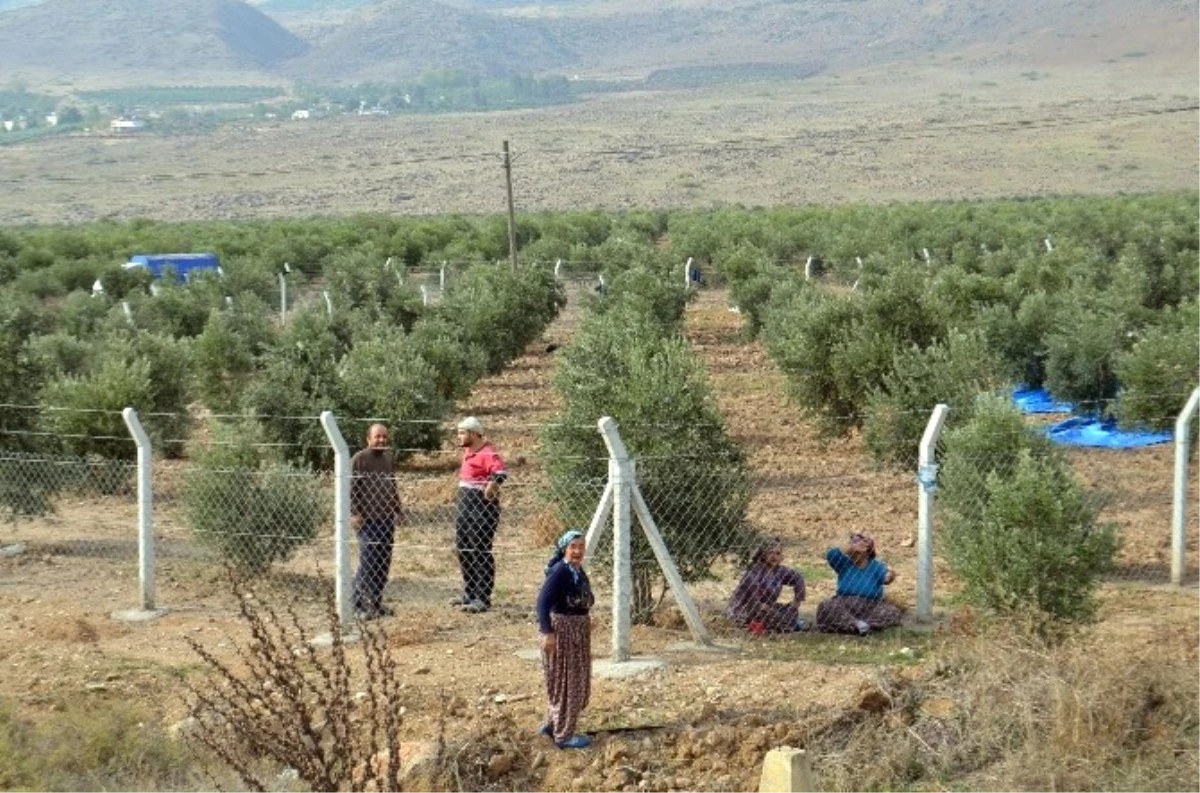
x=953, y=373
x=628, y=362
x=1158, y=367
x=20, y=370
x=501, y=310
x=1031, y=541
x=226, y=353
x=806, y=338
x=252, y=510
x=1020, y=532
x=364, y=279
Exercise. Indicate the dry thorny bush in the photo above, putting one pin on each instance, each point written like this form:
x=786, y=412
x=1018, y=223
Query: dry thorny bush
x=993, y=707
x=282, y=700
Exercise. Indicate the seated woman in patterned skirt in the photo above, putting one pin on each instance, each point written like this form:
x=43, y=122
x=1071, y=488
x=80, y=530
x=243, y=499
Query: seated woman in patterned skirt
x=858, y=607
x=755, y=603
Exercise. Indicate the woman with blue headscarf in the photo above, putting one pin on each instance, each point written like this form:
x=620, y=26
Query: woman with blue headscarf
x=563, y=608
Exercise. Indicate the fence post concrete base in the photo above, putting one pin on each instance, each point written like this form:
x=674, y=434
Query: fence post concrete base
x=138, y=615
x=326, y=639
x=631, y=667
x=787, y=770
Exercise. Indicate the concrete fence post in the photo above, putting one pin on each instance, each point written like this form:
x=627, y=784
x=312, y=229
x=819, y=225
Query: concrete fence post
x=927, y=482
x=787, y=770
x=600, y=517
x=341, y=520
x=145, y=497
x=1179, y=507
x=624, y=499
x=621, y=475
x=282, y=297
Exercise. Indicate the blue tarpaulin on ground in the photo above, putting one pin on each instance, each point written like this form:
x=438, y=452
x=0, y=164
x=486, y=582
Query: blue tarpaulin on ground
x=1088, y=431
x=1038, y=400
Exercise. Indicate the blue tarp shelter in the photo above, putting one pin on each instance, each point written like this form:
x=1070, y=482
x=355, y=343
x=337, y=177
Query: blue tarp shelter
x=182, y=264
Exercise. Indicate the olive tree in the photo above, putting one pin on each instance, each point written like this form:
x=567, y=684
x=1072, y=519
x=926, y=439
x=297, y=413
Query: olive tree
x=695, y=479
x=1020, y=531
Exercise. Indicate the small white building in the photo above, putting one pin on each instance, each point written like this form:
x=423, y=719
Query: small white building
x=301, y=115
x=52, y=119
x=120, y=125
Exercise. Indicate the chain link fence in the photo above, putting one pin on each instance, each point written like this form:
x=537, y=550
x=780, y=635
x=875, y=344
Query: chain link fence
x=71, y=531
x=71, y=523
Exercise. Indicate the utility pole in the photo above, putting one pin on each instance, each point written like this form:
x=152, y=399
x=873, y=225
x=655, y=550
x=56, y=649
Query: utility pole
x=512, y=222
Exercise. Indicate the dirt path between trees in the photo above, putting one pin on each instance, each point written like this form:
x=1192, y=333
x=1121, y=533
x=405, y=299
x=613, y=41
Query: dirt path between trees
x=700, y=723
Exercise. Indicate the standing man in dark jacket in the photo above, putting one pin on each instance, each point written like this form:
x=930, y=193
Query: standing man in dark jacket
x=374, y=510
x=479, y=479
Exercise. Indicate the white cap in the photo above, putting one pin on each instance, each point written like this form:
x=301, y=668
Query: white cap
x=471, y=424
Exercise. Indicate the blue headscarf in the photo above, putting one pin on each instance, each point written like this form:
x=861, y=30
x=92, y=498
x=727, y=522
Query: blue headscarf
x=560, y=551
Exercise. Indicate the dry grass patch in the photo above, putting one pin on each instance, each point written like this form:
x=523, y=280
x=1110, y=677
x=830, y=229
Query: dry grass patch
x=1002, y=711
x=94, y=744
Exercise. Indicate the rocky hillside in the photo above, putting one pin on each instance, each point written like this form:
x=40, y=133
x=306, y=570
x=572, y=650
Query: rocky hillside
x=848, y=35
x=140, y=42
x=399, y=39
x=395, y=39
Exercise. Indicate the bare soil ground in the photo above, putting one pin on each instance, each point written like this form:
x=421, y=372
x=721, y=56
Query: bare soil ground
x=919, y=131
x=702, y=722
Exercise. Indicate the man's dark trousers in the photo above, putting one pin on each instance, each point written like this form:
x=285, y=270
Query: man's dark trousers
x=375, y=539
x=474, y=531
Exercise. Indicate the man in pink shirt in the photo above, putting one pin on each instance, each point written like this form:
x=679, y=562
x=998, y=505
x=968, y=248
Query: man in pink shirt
x=479, y=479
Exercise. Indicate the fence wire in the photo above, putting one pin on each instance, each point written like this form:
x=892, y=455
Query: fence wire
x=71, y=523
x=69, y=505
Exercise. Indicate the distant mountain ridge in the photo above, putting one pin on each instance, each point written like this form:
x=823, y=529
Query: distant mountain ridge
x=171, y=41
x=144, y=42
x=401, y=39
